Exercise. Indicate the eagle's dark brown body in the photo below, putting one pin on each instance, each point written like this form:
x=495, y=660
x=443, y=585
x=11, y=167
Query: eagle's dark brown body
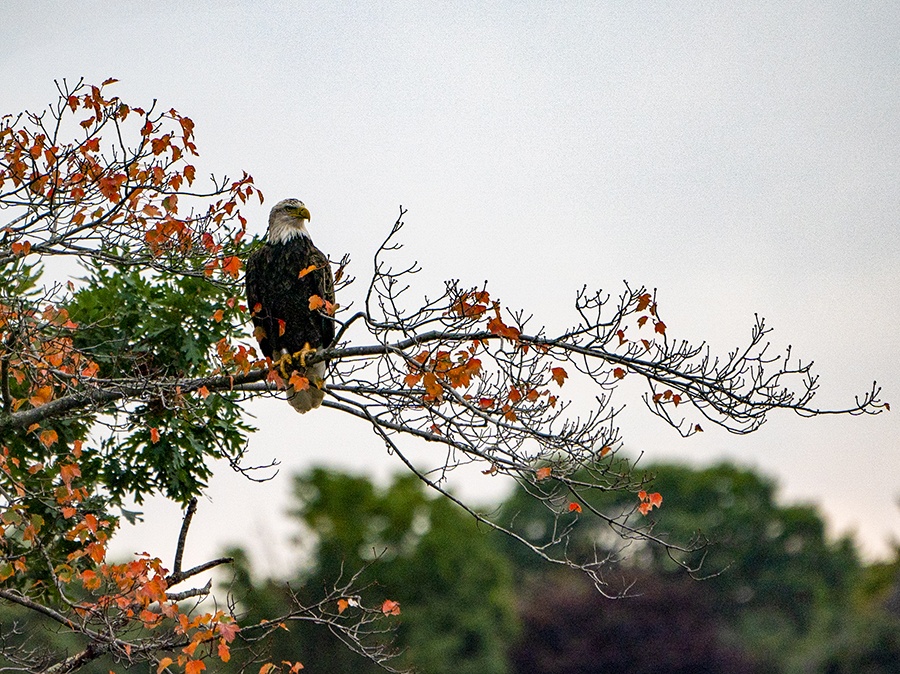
x=275, y=292
x=281, y=278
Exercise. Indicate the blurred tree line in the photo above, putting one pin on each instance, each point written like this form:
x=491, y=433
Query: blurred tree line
x=773, y=594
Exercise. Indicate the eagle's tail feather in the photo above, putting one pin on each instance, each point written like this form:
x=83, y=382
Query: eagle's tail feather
x=312, y=397
x=304, y=401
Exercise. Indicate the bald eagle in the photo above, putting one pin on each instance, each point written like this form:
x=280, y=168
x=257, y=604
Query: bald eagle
x=281, y=277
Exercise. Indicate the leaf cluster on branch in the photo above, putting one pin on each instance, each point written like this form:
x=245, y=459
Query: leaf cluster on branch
x=128, y=382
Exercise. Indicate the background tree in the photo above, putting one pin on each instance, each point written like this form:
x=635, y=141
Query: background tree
x=453, y=585
x=129, y=383
x=769, y=572
x=669, y=627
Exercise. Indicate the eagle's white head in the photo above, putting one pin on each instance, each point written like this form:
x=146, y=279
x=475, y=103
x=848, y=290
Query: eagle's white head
x=287, y=220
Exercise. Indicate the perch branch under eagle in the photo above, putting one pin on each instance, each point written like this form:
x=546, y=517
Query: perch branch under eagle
x=282, y=275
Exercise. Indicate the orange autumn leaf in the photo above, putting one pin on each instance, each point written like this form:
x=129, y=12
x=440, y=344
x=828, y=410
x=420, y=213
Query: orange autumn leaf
x=543, y=473
x=21, y=248
x=149, y=618
x=432, y=385
x=606, y=450
x=390, y=607
x=644, y=301
x=574, y=507
x=641, y=321
x=91, y=370
x=49, y=437
x=165, y=662
x=281, y=327
x=224, y=651
x=412, y=379
x=343, y=604
x=91, y=522
x=514, y=395
x=203, y=391
x=649, y=501
x=231, y=266
x=485, y=403
x=316, y=302
x=472, y=304
x=96, y=551
x=309, y=270
x=660, y=327
x=68, y=472
x=42, y=396
x=90, y=580
x=154, y=435
x=228, y=631
x=194, y=667
x=559, y=375
x=619, y=373
x=498, y=327
x=218, y=315
x=299, y=382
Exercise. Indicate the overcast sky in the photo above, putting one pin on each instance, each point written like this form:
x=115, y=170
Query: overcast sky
x=738, y=159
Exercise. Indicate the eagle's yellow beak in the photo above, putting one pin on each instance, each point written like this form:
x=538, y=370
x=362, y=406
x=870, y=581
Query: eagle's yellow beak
x=303, y=212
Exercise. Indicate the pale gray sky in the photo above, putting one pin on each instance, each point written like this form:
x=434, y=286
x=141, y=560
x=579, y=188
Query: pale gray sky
x=740, y=159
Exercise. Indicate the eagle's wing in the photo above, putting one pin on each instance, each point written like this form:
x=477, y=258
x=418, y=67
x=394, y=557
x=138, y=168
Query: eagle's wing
x=257, y=263
x=324, y=286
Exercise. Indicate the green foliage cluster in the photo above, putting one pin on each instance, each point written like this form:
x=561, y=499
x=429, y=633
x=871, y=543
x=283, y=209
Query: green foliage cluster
x=159, y=325
x=139, y=327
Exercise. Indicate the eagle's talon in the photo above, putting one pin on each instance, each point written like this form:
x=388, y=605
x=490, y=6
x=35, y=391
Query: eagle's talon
x=303, y=353
x=282, y=365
